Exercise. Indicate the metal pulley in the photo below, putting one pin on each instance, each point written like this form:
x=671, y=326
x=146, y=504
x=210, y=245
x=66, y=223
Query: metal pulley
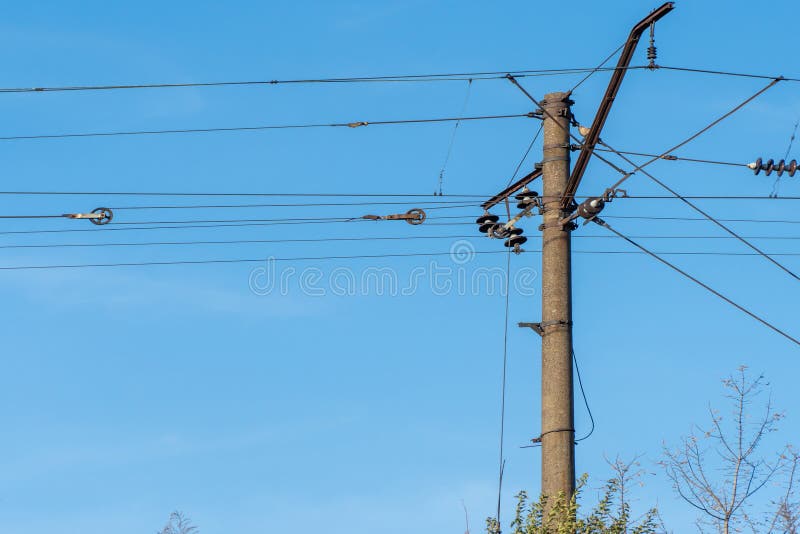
x=782, y=166
x=97, y=216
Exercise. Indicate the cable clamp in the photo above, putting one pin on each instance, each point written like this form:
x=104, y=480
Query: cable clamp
x=357, y=124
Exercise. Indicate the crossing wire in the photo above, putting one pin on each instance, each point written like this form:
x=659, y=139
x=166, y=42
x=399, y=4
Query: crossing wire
x=692, y=137
x=640, y=168
x=698, y=282
x=724, y=227
x=671, y=157
x=596, y=69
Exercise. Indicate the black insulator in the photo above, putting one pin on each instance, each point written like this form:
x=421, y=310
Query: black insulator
x=768, y=168
x=515, y=240
x=590, y=207
x=515, y=231
x=757, y=168
x=487, y=217
x=791, y=168
x=526, y=194
x=780, y=168
x=486, y=227
x=651, y=53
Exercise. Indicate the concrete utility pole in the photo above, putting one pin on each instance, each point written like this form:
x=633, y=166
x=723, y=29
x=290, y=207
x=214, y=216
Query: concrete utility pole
x=558, y=427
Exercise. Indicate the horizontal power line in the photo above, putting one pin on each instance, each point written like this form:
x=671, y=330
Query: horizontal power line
x=420, y=78
x=671, y=157
x=423, y=78
x=358, y=238
x=354, y=257
x=356, y=124
x=105, y=228
x=727, y=73
x=357, y=218
x=666, y=218
x=429, y=205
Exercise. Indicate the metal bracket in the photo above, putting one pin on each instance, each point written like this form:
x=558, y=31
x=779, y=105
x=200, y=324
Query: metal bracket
x=539, y=327
x=536, y=327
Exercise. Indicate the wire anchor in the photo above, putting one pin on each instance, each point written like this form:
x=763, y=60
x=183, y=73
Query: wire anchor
x=413, y=216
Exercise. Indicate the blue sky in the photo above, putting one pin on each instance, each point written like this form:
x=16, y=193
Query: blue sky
x=129, y=392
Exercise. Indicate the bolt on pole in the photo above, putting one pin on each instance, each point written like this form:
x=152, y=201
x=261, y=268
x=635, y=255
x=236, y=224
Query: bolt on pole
x=558, y=428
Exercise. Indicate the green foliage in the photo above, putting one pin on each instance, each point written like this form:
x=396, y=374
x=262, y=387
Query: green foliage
x=560, y=515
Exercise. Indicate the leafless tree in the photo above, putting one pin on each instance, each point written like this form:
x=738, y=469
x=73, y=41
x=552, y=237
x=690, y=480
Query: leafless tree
x=786, y=518
x=178, y=524
x=719, y=469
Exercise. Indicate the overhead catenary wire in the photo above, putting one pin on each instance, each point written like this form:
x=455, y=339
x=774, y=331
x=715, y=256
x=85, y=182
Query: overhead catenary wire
x=689, y=139
x=237, y=194
x=430, y=205
x=460, y=76
x=669, y=218
x=354, y=124
x=726, y=73
x=106, y=228
x=718, y=223
x=684, y=199
x=696, y=281
x=365, y=256
x=550, y=116
x=671, y=157
x=346, y=239
x=596, y=69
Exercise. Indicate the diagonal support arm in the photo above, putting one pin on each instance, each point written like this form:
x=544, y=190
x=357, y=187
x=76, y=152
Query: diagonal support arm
x=592, y=138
